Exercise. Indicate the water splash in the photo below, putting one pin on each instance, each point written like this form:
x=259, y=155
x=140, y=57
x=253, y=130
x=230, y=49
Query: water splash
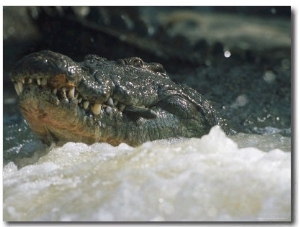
x=207, y=179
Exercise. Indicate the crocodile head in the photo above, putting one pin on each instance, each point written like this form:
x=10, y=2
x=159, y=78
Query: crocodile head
x=97, y=100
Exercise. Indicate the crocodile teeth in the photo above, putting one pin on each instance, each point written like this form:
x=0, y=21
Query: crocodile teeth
x=108, y=110
x=23, y=81
x=29, y=80
x=110, y=102
x=17, y=88
x=20, y=87
x=64, y=93
x=38, y=81
x=44, y=82
x=54, y=92
x=79, y=100
x=86, y=104
x=96, y=109
x=71, y=92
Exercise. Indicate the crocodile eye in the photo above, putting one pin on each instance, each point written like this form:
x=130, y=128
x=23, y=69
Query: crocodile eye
x=137, y=62
x=134, y=61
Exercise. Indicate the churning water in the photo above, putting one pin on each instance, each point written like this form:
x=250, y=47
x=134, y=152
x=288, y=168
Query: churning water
x=215, y=178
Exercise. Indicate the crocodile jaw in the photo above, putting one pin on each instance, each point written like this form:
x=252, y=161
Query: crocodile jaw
x=55, y=118
x=48, y=85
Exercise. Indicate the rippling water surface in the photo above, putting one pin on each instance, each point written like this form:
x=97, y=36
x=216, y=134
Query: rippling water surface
x=207, y=179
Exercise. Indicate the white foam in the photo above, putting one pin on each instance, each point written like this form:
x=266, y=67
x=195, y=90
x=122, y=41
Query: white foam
x=207, y=179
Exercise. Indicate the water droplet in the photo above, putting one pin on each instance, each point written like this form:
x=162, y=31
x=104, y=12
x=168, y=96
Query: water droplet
x=273, y=10
x=84, y=10
x=151, y=31
x=269, y=76
x=227, y=54
x=241, y=100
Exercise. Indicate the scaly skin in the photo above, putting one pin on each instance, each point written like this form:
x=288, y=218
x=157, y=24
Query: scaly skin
x=97, y=100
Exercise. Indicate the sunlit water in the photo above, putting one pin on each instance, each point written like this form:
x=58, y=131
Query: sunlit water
x=215, y=178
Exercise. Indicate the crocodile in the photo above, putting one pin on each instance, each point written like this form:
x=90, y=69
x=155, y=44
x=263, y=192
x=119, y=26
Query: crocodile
x=99, y=100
